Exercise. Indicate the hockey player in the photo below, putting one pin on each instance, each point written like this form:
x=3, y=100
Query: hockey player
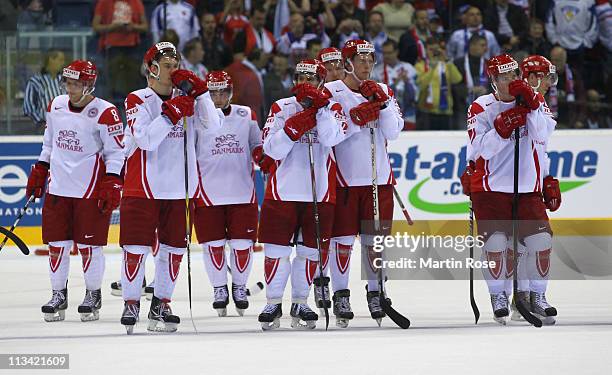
x=331, y=57
x=492, y=120
x=227, y=213
x=82, y=156
x=159, y=118
x=369, y=104
x=287, y=212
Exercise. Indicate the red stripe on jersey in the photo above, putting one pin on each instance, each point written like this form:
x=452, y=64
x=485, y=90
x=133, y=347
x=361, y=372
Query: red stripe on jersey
x=253, y=116
x=242, y=258
x=133, y=176
x=537, y=187
x=339, y=176
x=55, y=257
x=174, y=263
x=86, y=254
x=486, y=176
x=474, y=109
x=272, y=190
x=270, y=268
x=472, y=135
x=94, y=177
x=145, y=180
x=132, y=264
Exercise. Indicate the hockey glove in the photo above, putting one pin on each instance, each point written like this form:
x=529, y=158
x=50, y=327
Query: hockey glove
x=552, y=193
x=177, y=108
x=309, y=96
x=373, y=92
x=508, y=120
x=297, y=125
x=109, y=194
x=364, y=113
x=37, y=179
x=466, y=178
x=264, y=162
x=196, y=85
x=520, y=88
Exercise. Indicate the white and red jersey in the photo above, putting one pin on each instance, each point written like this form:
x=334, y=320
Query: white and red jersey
x=81, y=146
x=154, y=147
x=290, y=179
x=494, y=156
x=353, y=154
x=225, y=162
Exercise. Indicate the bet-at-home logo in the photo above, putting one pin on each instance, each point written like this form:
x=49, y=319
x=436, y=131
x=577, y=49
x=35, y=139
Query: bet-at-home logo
x=572, y=169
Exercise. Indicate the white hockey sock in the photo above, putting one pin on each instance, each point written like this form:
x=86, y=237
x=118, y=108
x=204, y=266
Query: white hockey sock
x=303, y=269
x=167, y=264
x=59, y=263
x=277, y=269
x=214, y=262
x=93, y=262
x=494, y=251
x=341, y=249
x=538, y=262
x=133, y=271
x=368, y=257
x=241, y=260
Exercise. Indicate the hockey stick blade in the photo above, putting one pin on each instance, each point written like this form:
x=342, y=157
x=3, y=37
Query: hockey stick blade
x=473, y=302
x=396, y=317
x=529, y=317
x=16, y=240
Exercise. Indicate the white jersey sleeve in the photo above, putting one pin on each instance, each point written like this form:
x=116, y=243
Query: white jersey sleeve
x=484, y=142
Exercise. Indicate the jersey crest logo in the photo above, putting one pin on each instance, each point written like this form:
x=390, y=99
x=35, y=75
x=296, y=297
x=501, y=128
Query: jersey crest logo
x=242, y=112
x=93, y=112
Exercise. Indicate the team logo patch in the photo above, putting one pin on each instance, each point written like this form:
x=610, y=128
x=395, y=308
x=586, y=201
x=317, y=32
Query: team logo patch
x=55, y=257
x=270, y=268
x=509, y=263
x=68, y=140
x=242, y=258
x=543, y=262
x=343, y=257
x=242, y=112
x=372, y=256
x=174, y=261
x=498, y=258
x=132, y=264
x=93, y=112
x=85, y=257
x=311, y=268
x=217, y=255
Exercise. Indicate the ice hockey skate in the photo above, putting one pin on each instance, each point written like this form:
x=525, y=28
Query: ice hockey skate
x=129, y=317
x=499, y=303
x=221, y=301
x=542, y=309
x=55, y=309
x=342, y=308
x=302, y=317
x=270, y=316
x=91, y=305
x=240, y=297
x=161, y=318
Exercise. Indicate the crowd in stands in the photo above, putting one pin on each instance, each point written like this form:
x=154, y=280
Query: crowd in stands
x=432, y=53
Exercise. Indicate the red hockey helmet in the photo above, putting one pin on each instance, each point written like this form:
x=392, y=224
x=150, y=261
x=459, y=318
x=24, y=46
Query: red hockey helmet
x=541, y=66
x=357, y=47
x=156, y=52
x=83, y=71
x=311, y=67
x=329, y=54
x=219, y=80
x=501, y=64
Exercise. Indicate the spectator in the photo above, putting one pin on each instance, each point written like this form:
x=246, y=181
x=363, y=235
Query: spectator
x=257, y=35
x=458, y=43
x=234, y=21
x=218, y=54
x=321, y=11
x=346, y=9
x=604, y=17
x=398, y=17
x=34, y=14
x=401, y=78
x=119, y=24
x=178, y=15
x=412, y=42
x=42, y=87
x=193, y=54
x=8, y=16
x=348, y=29
x=293, y=42
x=277, y=82
x=475, y=82
x=313, y=46
x=434, y=79
x=534, y=42
x=248, y=79
x=376, y=35
x=506, y=21
x=596, y=116
x=169, y=35
x=564, y=98
x=572, y=25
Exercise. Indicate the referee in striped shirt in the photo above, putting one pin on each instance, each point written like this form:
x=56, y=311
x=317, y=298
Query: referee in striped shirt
x=43, y=87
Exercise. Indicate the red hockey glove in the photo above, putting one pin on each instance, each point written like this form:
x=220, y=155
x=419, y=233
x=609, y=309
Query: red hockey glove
x=300, y=123
x=109, y=195
x=466, y=178
x=37, y=179
x=309, y=96
x=552, y=193
x=178, y=107
x=365, y=113
x=520, y=88
x=508, y=120
x=264, y=161
x=372, y=91
x=196, y=85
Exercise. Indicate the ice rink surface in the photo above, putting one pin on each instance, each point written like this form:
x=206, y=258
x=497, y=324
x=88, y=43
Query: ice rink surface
x=441, y=340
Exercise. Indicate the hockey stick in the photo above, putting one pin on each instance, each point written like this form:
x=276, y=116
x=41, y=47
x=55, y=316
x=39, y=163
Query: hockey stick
x=398, y=198
x=395, y=316
x=315, y=210
x=472, y=299
x=532, y=319
x=185, y=86
x=20, y=244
